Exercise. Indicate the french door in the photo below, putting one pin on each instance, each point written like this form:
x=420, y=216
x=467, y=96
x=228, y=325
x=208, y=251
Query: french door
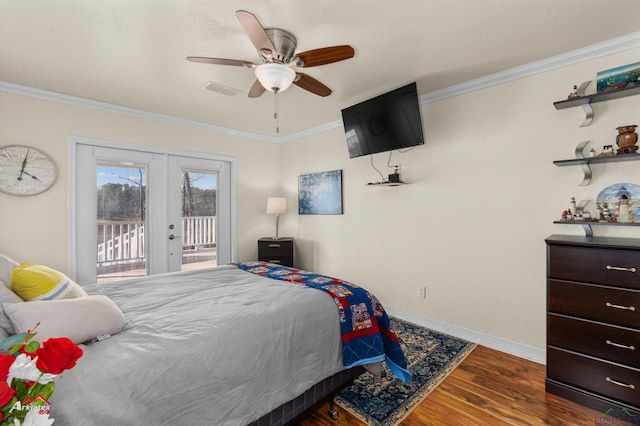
x=138, y=211
x=195, y=228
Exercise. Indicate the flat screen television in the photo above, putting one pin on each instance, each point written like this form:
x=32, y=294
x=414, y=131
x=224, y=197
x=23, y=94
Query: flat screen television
x=384, y=123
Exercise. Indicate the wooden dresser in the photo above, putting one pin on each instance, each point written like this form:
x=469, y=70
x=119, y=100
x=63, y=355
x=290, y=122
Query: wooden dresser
x=593, y=322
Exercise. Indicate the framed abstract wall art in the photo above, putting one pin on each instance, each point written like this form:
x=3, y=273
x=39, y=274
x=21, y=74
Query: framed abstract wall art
x=320, y=193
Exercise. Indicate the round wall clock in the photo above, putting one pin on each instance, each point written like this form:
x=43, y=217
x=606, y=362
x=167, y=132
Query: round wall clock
x=25, y=170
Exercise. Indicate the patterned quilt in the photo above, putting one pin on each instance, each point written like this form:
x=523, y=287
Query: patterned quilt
x=366, y=331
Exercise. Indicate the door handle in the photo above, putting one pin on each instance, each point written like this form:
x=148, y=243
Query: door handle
x=173, y=237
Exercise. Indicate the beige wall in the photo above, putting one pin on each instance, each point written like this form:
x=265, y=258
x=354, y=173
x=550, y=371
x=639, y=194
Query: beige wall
x=470, y=225
x=481, y=198
x=34, y=229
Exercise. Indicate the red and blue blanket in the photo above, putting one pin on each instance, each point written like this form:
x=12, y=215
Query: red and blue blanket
x=366, y=331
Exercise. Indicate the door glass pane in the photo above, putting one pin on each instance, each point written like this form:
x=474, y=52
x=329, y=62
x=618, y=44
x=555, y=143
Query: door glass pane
x=199, y=205
x=121, y=220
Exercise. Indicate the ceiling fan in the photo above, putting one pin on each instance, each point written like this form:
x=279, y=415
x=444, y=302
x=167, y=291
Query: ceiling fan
x=276, y=48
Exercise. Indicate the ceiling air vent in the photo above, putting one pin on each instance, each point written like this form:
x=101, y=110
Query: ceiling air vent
x=219, y=88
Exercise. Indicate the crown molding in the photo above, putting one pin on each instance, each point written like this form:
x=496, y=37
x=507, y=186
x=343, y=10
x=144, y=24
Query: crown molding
x=628, y=41
x=619, y=44
x=311, y=131
x=104, y=106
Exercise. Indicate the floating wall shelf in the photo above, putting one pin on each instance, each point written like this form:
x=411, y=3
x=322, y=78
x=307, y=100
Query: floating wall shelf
x=386, y=183
x=585, y=101
x=587, y=225
x=597, y=97
x=584, y=162
x=595, y=160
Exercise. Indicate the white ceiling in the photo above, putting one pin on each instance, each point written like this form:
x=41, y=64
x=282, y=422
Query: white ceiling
x=132, y=52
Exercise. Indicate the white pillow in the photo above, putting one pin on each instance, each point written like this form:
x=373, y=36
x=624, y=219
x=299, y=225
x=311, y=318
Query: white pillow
x=7, y=296
x=81, y=320
x=6, y=266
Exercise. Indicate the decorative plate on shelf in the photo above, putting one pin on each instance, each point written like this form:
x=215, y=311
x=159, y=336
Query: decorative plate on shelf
x=611, y=195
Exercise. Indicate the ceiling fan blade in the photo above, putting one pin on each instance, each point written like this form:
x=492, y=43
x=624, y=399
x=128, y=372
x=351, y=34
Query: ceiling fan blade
x=255, y=32
x=325, y=55
x=256, y=90
x=221, y=61
x=312, y=85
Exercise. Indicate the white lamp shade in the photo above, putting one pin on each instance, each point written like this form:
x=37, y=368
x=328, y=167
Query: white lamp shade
x=275, y=76
x=276, y=205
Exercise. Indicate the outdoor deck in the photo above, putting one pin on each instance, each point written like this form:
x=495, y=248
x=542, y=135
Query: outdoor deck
x=191, y=259
x=121, y=250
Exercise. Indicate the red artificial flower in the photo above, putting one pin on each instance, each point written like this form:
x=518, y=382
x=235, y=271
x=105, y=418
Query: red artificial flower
x=57, y=354
x=6, y=392
x=5, y=362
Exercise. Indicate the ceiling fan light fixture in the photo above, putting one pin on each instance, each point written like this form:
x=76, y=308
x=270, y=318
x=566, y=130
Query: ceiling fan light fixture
x=275, y=77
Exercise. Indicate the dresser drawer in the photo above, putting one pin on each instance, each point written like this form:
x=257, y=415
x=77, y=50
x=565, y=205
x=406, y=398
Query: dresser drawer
x=594, y=302
x=620, y=268
x=275, y=248
x=618, y=344
x=602, y=377
x=284, y=261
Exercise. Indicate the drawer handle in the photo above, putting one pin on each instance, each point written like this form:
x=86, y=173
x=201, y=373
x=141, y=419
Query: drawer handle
x=628, y=308
x=618, y=345
x=624, y=385
x=274, y=245
x=620, y=268
x=274, y=261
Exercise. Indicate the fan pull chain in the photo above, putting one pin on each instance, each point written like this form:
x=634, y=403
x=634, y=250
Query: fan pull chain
x=275, y=114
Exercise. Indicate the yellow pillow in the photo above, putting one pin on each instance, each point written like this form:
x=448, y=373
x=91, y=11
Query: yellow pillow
x=38, y=282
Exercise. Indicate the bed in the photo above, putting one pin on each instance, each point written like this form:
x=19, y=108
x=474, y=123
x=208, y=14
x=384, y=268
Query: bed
x=220, y=345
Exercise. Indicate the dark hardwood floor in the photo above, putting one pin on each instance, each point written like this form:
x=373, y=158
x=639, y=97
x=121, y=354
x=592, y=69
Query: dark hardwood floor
x=489, y=388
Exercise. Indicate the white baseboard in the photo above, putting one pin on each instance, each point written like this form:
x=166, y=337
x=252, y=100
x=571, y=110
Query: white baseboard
x=498, y=343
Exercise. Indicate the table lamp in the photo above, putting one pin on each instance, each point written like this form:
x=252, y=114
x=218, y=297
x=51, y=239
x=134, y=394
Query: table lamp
x=276, y=206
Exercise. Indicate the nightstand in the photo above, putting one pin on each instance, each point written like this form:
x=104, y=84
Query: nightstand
x=278, y=251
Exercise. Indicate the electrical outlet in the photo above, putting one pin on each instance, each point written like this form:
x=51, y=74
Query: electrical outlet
x=422, y=292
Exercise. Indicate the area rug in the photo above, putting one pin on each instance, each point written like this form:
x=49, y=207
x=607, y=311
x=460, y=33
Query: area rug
x=431, y=356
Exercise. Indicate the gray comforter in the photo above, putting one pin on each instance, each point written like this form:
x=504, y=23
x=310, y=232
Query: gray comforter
x=212, y=347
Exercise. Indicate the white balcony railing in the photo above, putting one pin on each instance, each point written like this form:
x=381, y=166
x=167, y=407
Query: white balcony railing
x=198, y=231
x=121, y=242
